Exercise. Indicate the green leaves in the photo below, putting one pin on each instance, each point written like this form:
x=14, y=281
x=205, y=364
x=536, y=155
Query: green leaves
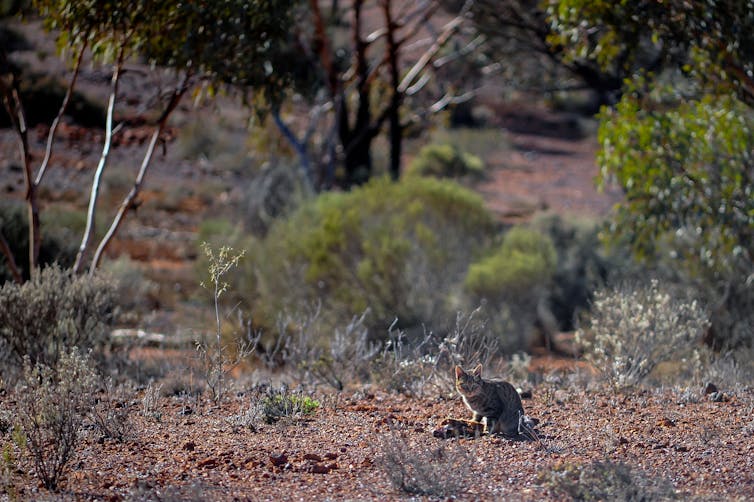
x=686, y=166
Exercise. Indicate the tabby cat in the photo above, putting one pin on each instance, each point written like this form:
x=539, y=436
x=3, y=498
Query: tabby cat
x=496, y=400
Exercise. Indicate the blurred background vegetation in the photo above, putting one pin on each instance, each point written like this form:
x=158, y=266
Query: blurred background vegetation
x=344, y=151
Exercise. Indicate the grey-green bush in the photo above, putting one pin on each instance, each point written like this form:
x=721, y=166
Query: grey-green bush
x=50, y=313
x=51, y=407
x=632, y=329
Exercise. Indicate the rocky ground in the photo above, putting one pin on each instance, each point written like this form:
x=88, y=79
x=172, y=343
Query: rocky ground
x=360, y=444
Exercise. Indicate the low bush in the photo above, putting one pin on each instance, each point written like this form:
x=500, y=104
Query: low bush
x=632, y=329
x=399, y=249
x=604, y=481
x=53, y=311
x=51, y=406
x=441, y=471
x=445, y=161
x=515, y=279
x=283, y=403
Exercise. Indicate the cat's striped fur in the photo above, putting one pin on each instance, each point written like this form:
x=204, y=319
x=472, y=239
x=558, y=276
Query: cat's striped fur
x=496, y=400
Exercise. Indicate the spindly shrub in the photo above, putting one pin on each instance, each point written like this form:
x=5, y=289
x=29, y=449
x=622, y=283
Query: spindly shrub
x=51, y=406
x=631, y=330
x=445, y=161
x=53, y=311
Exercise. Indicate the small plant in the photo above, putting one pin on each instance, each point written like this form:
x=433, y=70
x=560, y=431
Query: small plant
x=150, y=402
x=282, y=403
x=631, y=330
x=603, y=481
x=425, y=471
x=110, y=413
x=217, y=362
x=51, y=407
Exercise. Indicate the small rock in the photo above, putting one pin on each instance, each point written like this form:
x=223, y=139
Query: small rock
x=666, y=422
x=312, y=456
x=322, y=468
x=622, y=440
x=279, y=460
x=208, y=463
x=526, y=394
x=189, y=446
x=709, y=388
x=331, y=456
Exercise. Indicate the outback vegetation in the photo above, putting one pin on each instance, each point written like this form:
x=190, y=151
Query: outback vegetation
x=247, y=247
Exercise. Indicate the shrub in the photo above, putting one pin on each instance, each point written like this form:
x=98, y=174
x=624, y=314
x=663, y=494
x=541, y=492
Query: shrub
x=631, y=330
x=283, y=403
x=400, y=249
x=515, y=279
x=51, y=407
x=582, y=265
x=526, y=260
x=53, y=311
x=445, y=161
x=604, y=481
x=434, y=471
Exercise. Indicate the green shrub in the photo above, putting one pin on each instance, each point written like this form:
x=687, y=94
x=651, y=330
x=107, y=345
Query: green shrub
x=51, y=406
x=632, y=329
x=53, y=311
x=42, y=96
x=282, y=403
x=400, y=249
x=445, y=161
x=515, y=279
x=525, y=261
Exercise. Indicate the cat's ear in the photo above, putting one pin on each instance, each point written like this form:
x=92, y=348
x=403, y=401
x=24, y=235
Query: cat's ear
x=477, y=371
x=459, y=372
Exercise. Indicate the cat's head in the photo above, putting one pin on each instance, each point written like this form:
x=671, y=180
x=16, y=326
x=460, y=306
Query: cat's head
x=468, y=381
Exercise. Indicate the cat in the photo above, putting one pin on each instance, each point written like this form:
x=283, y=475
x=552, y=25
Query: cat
x=496, y=400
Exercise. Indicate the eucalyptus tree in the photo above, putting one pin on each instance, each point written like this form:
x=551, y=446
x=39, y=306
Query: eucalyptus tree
x=208, y=44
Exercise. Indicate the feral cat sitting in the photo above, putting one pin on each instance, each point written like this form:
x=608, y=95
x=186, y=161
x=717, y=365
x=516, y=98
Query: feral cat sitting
x=496, y=400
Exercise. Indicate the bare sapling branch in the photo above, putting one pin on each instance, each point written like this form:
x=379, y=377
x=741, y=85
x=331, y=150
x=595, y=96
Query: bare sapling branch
x=128, y=201
x=94, y=191
x=59, y=116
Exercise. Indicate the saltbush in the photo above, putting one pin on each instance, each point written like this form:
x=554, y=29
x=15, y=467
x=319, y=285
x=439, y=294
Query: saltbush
x=445, y=161
x=53, y=311
x=633, y=329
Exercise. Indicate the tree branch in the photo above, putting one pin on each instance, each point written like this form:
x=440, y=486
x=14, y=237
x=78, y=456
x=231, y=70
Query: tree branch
x=128, y=201
x=94, y=192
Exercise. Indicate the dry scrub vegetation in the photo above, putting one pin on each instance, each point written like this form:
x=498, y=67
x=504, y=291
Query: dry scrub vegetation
x=353, y=416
